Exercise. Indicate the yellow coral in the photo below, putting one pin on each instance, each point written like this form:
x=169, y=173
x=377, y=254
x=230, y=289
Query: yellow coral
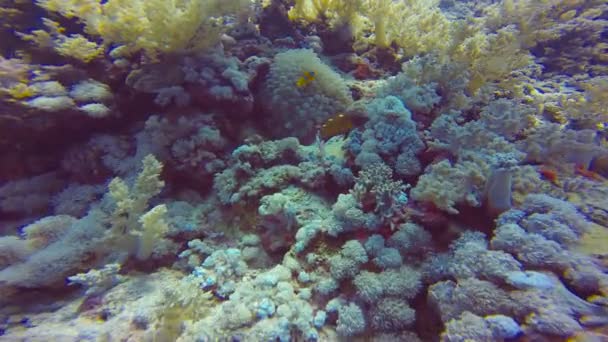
x=594, y=241
x=72, y=8
x=588, y=108
x=154, y=26
x=335, y=13
x=76, y=46
x=418, y=26
x=21, y=91
x=6, y=13
x=154, y=227
x=39, y=38
x=134, y=228
x=79, y=47
x=491, y=57
x=544, y=20
x=130, y=203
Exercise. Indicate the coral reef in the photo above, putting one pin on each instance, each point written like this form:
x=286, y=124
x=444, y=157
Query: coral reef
x=307, y=170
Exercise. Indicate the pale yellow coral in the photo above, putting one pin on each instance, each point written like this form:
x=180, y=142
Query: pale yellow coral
x=418, y=26
x=72, y=8
x=154, y=26
x=545, y=20
x=594, y=241
x=153, y=229
x=75, y=46
x=334, y=12
x=491, y=57
x=14, y=72
x=79, y=47
x=530, y=16
x=131, y=203
x=39, y=38
x=21, y=91
x=9, y=13
x=589, y=108
x=133, y=228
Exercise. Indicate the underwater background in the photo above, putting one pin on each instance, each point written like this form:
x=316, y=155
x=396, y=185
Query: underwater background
x=308, y=170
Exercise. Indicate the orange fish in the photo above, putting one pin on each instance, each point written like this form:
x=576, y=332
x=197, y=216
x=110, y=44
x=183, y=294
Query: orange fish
x=549, y=174
x=583, y=171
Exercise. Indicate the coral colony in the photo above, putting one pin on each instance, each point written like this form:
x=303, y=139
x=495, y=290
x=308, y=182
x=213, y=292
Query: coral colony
x=303, y=170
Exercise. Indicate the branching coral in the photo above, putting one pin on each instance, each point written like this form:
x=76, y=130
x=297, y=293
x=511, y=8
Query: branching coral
x=480, y=297
x=423, y=28
x=70, y=253
x=130, y=203
x=553, y=143
x=446, y=185
x=483, y=53
x=443, y=125
x=75, y=46
x=470, y=327
x=569, y=31
x=13, y=71
x=490, y=57
x=98, y=281
x=254, y=170
x=589, y=108
x=482, y=154
x=390, y=135
x=129, y=216
x=375, y=184
x=152, y=26
x=543, y=235
x=470, y=257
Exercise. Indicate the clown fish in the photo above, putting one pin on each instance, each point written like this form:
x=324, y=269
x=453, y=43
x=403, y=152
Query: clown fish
x=305, y=79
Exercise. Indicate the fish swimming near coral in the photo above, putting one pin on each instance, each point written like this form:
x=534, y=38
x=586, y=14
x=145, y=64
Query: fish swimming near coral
x=341, y=123
x=550, y=175
x=306, y=78
x=585, y=172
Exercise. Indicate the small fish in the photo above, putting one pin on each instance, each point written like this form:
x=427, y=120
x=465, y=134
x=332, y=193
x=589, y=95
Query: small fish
x=341, y=123
x=602, y=131
x=585, y=172
x=305, y=79
x=549, y=174
x=338, y=124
